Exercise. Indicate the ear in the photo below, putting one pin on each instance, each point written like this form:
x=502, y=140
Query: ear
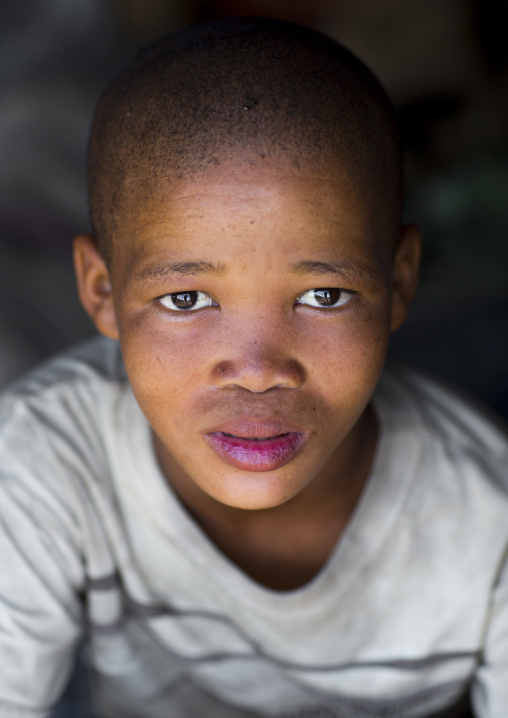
x=406, y=263
x=94, y=285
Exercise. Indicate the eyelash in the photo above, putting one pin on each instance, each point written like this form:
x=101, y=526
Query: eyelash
x=328, y=293
x=187, y=296
x=198, y=297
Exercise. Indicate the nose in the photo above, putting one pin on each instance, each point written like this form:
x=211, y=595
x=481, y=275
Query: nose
x=258, y=369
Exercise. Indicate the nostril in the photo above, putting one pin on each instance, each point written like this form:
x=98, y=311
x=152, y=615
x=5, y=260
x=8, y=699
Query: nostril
x=223, y=368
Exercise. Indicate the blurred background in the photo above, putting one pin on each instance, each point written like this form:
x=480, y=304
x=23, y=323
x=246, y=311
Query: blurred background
x=445, y=65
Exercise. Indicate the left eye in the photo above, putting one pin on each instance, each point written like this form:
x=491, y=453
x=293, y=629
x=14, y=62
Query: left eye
x=327, y=297
x=186, y=301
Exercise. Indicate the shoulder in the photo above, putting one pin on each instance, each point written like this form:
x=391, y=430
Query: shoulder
x=96, y=360
x=455, y=473
x=463, y=445
x=88, y=367
x=54, y=419
x=443, y=413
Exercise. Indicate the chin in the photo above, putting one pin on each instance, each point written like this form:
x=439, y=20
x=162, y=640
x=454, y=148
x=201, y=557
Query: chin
x=253, y=492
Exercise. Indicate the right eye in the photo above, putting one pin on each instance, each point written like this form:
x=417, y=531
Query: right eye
x=186, y=301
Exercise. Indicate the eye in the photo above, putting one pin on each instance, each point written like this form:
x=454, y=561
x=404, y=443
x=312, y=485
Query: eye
x=326, y=297
x=186, y=301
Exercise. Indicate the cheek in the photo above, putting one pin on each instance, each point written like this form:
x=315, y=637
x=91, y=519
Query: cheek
x=349, y=360
x=169, y=366
x=162, y=363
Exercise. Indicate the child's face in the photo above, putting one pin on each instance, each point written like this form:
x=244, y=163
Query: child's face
x=253, y=306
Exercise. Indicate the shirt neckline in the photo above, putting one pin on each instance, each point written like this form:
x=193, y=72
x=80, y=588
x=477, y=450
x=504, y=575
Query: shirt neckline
x=394, y=468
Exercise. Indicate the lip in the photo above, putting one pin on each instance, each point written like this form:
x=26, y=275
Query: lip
x=253, y=445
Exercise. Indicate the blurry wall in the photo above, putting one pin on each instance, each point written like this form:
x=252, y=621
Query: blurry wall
x=444, y=63
x=53, y=58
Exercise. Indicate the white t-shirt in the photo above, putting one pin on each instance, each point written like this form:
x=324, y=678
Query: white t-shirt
x=409, y=613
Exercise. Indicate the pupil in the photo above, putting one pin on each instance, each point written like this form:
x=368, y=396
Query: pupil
x=327, y=297
x=184, y=300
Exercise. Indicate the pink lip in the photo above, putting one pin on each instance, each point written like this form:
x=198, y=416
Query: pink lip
x=256, y=446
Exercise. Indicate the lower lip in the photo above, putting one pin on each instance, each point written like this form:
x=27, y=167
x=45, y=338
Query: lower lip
x=261, y=455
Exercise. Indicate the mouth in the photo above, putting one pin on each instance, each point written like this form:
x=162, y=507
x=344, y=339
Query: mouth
x=256, y=446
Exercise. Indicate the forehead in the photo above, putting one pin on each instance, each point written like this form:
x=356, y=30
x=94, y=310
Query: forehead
x=241, y=208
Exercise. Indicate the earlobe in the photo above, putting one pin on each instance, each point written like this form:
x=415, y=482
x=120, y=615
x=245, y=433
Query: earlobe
x=94, y=285
x=406, y=263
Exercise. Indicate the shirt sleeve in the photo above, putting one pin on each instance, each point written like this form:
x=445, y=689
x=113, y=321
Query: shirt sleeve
x=490, y=685
x=41, y=576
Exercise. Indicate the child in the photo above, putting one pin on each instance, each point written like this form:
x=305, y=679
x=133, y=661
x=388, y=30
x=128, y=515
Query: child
x=233, y=515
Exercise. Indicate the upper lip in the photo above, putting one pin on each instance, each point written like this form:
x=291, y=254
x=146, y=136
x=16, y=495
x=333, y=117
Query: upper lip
x=251, y=428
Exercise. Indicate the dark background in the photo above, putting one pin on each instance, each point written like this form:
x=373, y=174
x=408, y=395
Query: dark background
x=445, y=65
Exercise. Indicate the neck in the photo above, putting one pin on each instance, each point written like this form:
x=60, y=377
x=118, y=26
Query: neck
x=285, y=546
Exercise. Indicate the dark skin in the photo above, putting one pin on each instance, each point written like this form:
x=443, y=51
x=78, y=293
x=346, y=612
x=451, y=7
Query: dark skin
x=258, y=346
x=282, y=548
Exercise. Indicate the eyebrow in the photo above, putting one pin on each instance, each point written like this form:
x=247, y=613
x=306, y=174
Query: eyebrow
x=346, y=268
x=153, y=272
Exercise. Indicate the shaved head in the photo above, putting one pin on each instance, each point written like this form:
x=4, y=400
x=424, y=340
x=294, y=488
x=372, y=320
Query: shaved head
x=247, y=90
